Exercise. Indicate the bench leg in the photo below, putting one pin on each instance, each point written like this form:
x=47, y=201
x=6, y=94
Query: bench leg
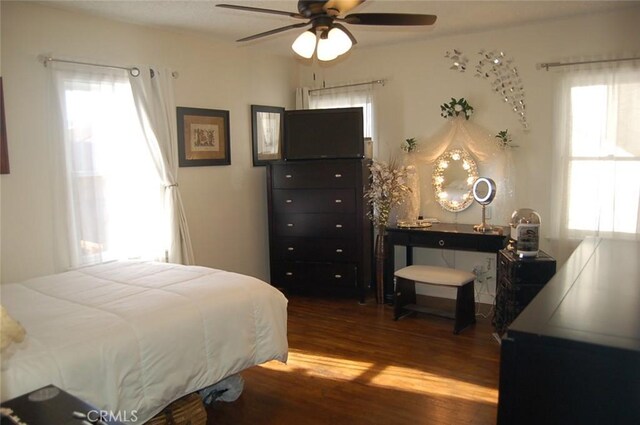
x=404, y=294
x=465, y=307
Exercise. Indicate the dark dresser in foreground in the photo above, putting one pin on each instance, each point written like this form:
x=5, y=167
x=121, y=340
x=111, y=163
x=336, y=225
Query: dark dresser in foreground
x=519, y=281
x=573, y=355
x=319, y=234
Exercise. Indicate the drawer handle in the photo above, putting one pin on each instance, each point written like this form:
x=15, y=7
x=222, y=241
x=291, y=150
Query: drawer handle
x=290, y=248
x=441, y=242
x=338, y=226
x=339, y=250
x=288, y=176
x=338, y=276
x=338, y=175
x=289, y=224
x=288, y=201
x=338, y=201
x=289, y=273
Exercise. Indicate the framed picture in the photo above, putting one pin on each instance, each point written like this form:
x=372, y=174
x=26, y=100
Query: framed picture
x=267, y=129
x=203, y=137
x=4, y=154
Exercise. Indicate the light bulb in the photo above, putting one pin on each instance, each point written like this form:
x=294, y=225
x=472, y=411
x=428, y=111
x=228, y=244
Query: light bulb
x=340, y=40
x=326, y=50
x=305, y=44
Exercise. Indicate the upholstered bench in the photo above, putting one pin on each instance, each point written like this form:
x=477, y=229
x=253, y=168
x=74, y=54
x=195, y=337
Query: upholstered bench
x=405, y=292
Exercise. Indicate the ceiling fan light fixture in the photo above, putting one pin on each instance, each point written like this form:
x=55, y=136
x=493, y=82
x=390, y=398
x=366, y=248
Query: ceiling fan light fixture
x=326, y=50
x=305, y=44
x=340, y=40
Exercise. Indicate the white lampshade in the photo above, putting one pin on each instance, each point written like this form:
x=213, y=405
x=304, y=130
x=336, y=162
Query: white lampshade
x=326, y=50
x=340, y=40
x=305, y=44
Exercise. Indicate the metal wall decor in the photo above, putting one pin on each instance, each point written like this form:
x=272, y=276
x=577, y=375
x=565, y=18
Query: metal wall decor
x=501, y=72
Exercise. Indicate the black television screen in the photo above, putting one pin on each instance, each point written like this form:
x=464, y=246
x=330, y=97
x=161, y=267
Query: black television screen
x=323, y=133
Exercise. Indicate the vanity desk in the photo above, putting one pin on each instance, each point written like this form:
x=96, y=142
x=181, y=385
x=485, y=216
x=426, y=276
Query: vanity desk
x=451, y=236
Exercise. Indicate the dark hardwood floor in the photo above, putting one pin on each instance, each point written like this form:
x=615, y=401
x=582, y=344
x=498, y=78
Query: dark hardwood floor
x=353, y=364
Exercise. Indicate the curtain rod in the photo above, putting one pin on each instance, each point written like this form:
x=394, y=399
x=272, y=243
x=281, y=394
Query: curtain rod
x=548, y=65
x=132, y=70
x=349, y=85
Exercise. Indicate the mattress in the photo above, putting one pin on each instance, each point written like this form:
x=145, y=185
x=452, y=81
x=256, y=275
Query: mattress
x=135, y=336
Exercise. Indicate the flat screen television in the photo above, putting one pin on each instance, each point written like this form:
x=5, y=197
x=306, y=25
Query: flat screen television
x=323, y=133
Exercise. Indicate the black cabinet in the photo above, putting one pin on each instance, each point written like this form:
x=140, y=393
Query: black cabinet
x=319, y=234
x=573, y=355
x=519, y=281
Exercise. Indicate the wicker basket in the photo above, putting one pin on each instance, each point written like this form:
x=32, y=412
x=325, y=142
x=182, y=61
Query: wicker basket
x=187, y=410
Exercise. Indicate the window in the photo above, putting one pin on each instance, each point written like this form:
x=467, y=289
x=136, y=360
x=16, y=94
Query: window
x=114, y=208
x=602, y=165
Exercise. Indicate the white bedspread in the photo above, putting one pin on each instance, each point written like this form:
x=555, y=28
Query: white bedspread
x=128, y=336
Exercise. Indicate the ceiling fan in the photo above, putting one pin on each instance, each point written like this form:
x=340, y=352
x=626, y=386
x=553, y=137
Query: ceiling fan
x=327, y=32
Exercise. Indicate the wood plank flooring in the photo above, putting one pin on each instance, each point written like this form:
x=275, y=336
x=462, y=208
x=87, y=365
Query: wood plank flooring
x=353, y=364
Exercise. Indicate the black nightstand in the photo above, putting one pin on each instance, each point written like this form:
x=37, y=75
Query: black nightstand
x=519, y=281
x=35, y=408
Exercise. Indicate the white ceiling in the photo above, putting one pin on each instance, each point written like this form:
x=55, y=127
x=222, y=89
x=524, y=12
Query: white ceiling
x=203, y=17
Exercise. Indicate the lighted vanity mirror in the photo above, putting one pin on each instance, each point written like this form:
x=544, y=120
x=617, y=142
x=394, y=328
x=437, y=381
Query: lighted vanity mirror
x=454, y=173
x=484, y=190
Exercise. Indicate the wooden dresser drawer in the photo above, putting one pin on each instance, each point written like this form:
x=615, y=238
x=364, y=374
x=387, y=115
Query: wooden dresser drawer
x=306, y=249
x=314, y=201
x=316, y=225
x=314, y=275
x=448, y=241
x=319, y=174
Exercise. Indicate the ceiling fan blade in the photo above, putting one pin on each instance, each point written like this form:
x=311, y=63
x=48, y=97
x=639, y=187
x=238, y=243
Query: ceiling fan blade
x=274, y=31
x=342, y=6
x=261, y=10
x=389, y=19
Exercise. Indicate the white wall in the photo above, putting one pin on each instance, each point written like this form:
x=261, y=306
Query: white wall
x=419, y=81
x=225, y=205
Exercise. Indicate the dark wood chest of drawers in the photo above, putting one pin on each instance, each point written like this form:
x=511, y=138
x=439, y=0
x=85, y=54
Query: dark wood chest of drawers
x=519, y=281
x=319, y=235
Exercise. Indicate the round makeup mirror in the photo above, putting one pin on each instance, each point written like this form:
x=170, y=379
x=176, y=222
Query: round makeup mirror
x=484, y=190
x=454, y=173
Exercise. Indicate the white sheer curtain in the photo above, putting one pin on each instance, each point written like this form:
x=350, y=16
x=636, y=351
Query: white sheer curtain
x=597, y=158
x=302, y=98
x=154, y=101
x=107, y=191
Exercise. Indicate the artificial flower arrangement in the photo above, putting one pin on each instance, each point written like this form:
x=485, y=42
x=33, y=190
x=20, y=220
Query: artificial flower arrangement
x=505, y=140
x=387, y=190
x=456, y=108
x=409, y=145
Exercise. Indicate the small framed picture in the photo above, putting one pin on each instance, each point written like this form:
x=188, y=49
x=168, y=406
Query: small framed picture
x=4, y=155
x=203, y=137
x=267, y=129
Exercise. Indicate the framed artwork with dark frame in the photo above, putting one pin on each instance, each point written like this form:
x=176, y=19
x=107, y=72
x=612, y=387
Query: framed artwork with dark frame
x=203, y=137
x=4, y=154
x=267, y=129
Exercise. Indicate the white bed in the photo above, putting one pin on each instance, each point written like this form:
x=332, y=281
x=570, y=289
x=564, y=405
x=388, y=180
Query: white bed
x=127, y=336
